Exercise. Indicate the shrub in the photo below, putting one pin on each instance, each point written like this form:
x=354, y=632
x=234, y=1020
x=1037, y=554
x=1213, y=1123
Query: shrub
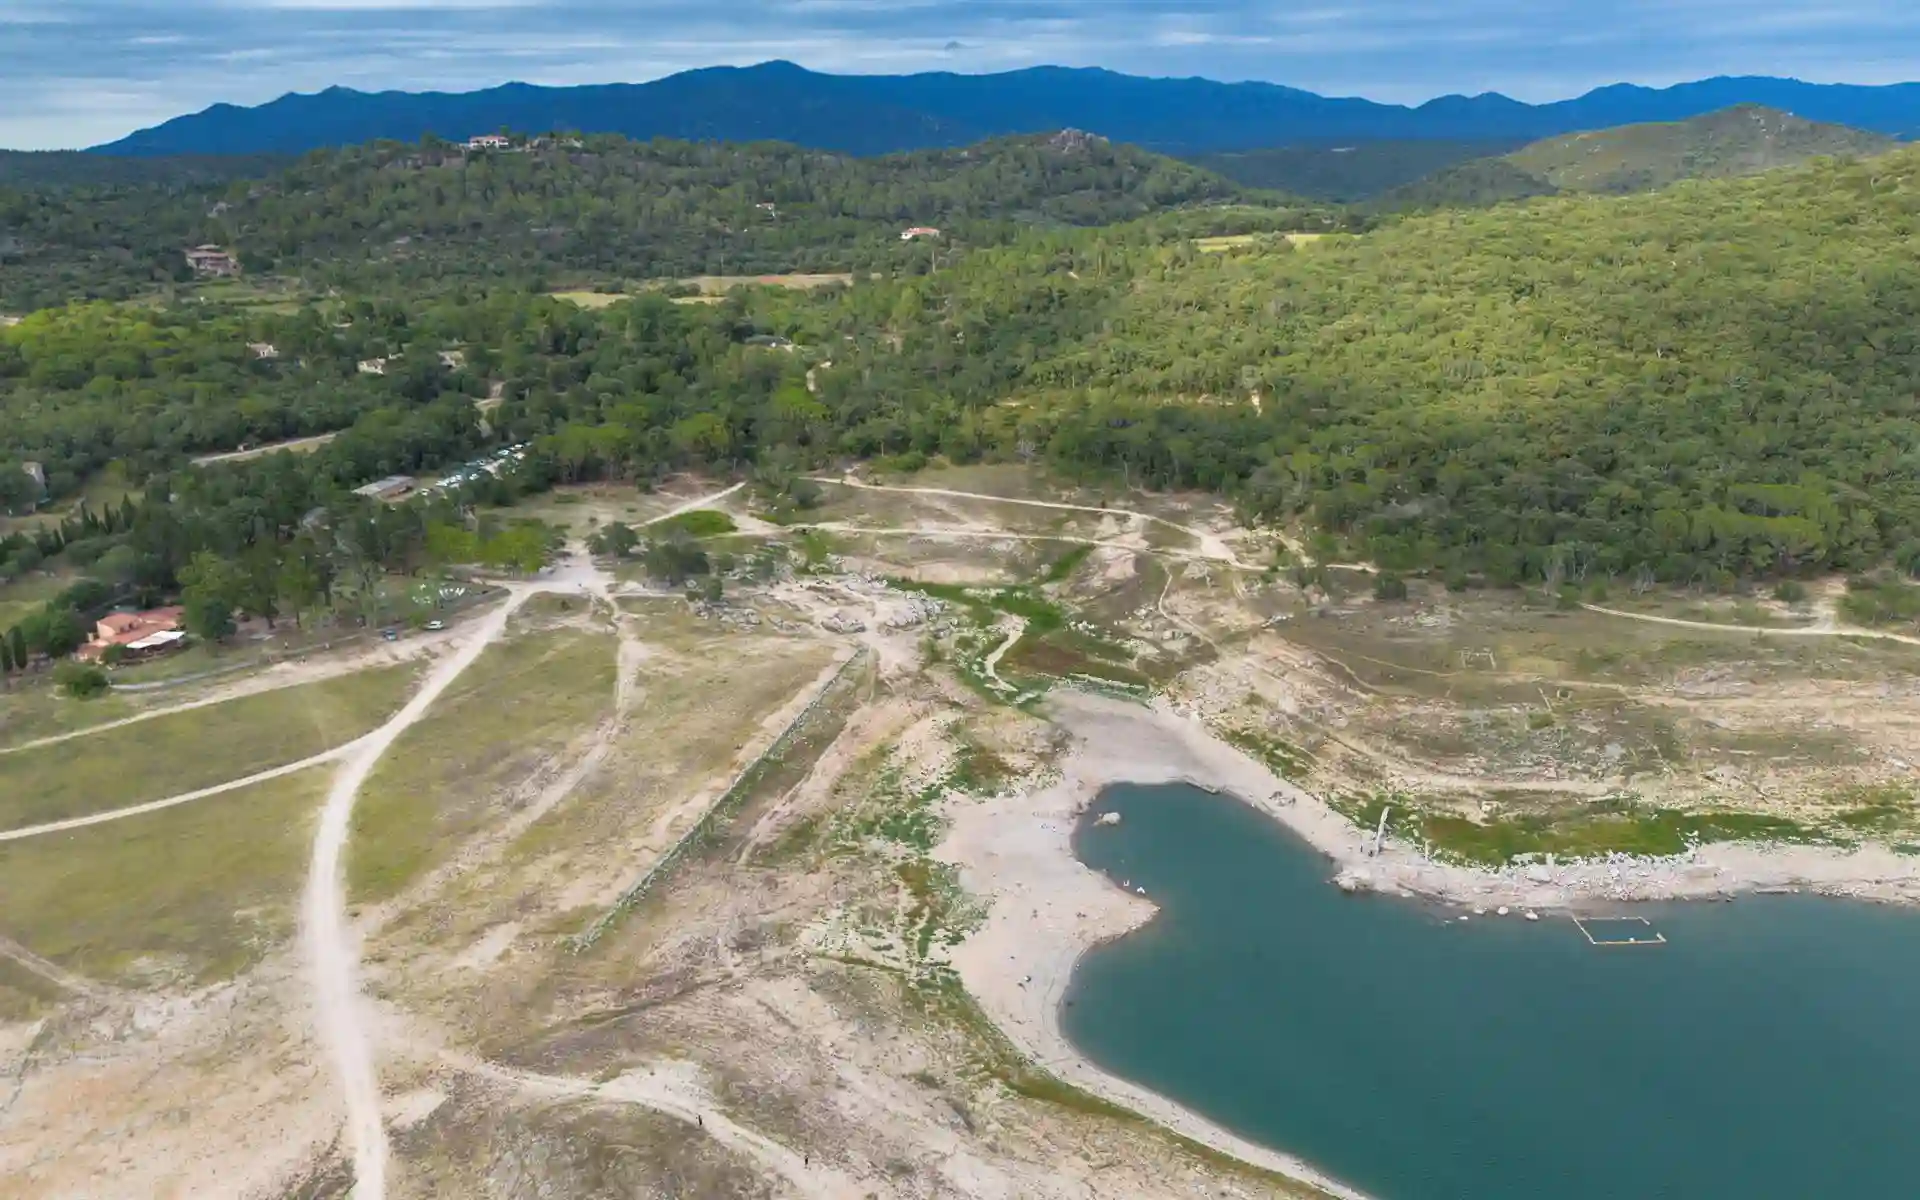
x=1388, y=586
x=80, y=680
x=1790, y=591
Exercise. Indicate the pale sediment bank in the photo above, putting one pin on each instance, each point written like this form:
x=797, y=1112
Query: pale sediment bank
x=1046, y=909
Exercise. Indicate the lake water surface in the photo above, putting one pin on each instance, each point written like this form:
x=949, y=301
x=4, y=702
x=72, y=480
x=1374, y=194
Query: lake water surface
x=1769, y=1051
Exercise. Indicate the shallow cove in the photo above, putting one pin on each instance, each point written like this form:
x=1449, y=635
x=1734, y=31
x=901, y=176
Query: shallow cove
x=1762, y=1054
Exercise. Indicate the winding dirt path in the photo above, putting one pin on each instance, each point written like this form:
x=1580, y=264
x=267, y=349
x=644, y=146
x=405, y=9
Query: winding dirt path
x=272, y=678
x=54, y=973
x=332, y=948
x=1824, y=629
x=1210, y=544
x=117, y=814
x=698, y=502
x=332, y=953
x=673, y=1090
x=939, y=532
x=297, y=445
x=990, y=666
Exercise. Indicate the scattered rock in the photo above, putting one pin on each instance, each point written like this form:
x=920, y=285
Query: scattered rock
x=842, y=622
x=1108, y=818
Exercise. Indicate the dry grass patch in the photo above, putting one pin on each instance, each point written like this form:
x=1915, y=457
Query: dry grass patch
x=34, y=712
x=581, y=509
x=24, y=995
x=591, y=299
x=575, y=1148
x=184, y=752
x=695, y=720
x=189, y=894
x=720, y=285
x=518, y=706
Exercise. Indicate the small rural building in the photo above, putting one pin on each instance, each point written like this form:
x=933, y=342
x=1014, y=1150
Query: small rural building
x=138, y=634
x=373, y=366
x=264, y=349
x=919, y=231
x=393, y=487
x=212, y=261
x=490, y=141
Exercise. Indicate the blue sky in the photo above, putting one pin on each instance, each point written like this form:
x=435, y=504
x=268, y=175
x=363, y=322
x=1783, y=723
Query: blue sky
x=77, y=72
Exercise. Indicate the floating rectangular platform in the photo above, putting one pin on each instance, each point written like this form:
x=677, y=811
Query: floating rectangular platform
x=1620, y=931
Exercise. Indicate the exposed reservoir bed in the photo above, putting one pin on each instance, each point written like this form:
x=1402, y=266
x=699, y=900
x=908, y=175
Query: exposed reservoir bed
x=1760, y=1052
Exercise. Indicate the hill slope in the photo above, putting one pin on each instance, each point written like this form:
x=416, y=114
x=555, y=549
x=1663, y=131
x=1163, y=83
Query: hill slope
x=873, y=114
x=1744, y=140
x=1706, y=381
x=1344, y=174
x=597, y=208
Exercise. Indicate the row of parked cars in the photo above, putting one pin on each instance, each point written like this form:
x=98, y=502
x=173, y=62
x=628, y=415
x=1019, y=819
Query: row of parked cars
x=471, y=472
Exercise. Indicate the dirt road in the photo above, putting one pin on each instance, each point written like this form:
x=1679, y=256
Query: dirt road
x=673, y=1089
x=296, y=445
x=1210, y=544
x=332, y=957
x=151, y=806
x=1821, y=630
x=331, y=946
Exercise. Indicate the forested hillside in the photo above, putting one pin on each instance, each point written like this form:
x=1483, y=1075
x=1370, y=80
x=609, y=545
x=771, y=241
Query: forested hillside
x=1709, y=381
x=595, y=208
x=1714, y=379
x=1744, y=140
x=1345, y=174
x=614, y=207
x=1736, y=141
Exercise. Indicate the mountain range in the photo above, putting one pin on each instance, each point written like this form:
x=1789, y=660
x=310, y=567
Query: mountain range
x=876, y=114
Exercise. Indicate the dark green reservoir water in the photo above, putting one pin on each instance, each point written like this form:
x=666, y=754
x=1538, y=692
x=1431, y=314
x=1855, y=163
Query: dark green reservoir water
x=1769, y=1051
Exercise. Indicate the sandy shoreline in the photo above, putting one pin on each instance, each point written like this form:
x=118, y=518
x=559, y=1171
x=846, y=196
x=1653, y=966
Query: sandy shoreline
x=1047, y=909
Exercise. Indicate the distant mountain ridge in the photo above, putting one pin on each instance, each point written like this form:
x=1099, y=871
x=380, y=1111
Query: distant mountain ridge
x=1744, y=140
x=876, y=114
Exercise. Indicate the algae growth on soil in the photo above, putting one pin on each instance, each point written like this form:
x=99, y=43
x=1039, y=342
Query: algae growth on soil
x=1762, y=1052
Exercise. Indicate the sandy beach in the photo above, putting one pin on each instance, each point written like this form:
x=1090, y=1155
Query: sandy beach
x=1046, y=909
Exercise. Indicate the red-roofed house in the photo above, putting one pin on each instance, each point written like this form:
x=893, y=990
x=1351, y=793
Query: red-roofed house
x=140, y=633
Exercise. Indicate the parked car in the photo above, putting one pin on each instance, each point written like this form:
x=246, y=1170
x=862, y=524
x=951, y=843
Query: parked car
x=435, y=626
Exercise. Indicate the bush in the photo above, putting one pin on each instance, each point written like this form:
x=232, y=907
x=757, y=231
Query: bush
x=1388, y=586
x=700, y=523
x=80, y=680
x=1880, y=600
x=1790, y=591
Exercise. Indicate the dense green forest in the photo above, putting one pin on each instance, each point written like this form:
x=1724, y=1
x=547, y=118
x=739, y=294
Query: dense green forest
x=1712, y=381
x=1345, y=173
x=1734, y=142
x=1709, y=381
x=602, y=208
x=75, y=168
